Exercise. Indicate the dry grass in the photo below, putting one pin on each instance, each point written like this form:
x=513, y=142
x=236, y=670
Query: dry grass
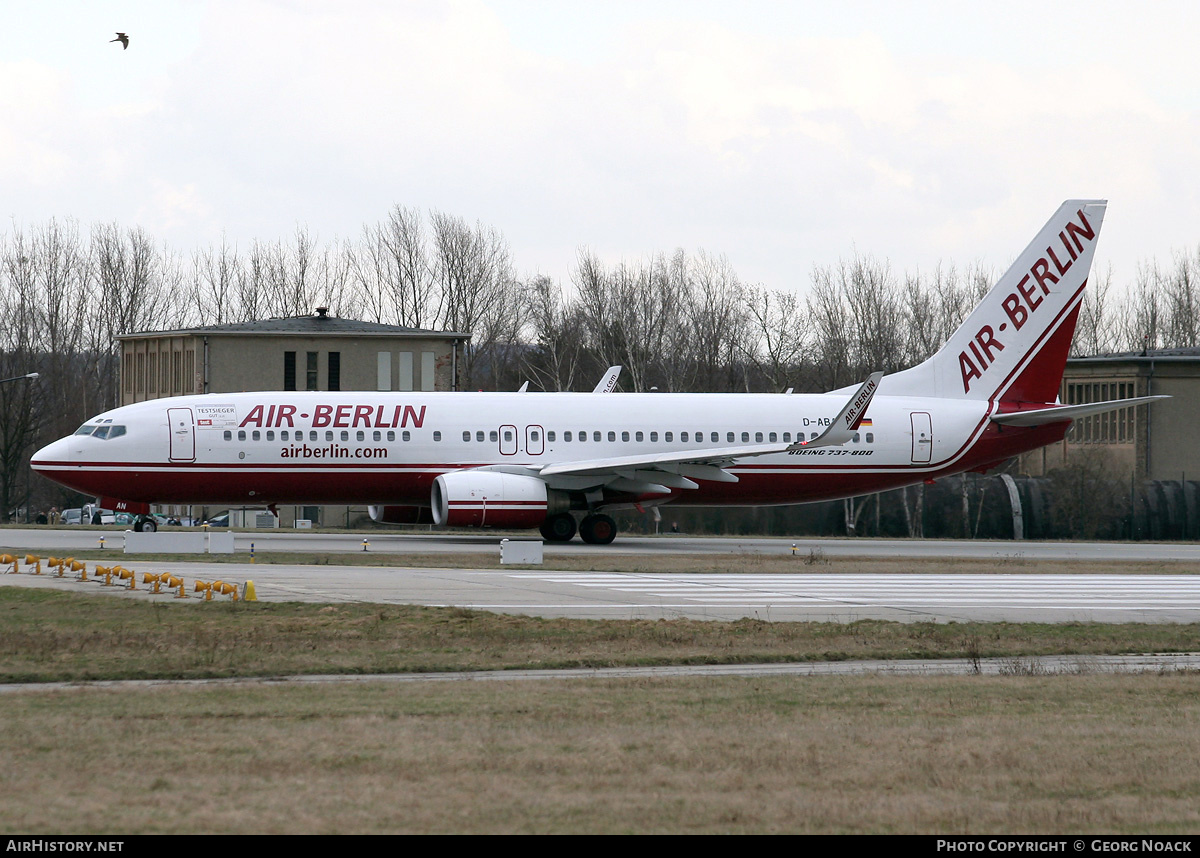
x=54, y=635
x=886, y=754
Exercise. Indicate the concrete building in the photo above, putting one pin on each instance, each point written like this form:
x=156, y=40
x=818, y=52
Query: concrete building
x=317, y=352
x=1147, y=442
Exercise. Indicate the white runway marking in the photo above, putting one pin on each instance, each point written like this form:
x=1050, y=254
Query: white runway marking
x=927, y=593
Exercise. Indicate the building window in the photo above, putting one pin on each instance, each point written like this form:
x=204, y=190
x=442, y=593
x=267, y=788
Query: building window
x=335, y=370
x=1112, y=427
x=289, y=370
x=383, y=371
x=310, y=379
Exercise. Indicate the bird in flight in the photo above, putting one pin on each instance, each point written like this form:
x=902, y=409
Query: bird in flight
x=123, y=39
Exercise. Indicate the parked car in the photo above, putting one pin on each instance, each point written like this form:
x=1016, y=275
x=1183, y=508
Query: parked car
x=221, y=520
x=72, y=516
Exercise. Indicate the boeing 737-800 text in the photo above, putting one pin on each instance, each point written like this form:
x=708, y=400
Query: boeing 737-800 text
x=563, y=461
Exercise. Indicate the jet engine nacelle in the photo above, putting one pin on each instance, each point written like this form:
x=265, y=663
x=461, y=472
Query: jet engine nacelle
x=400, y=514
x=493, y=499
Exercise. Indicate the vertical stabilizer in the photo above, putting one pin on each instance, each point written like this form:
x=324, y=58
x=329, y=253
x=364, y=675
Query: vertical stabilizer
x=1014, y=345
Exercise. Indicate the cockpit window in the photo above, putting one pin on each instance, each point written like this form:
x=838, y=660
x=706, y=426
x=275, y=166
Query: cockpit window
x=101, y=432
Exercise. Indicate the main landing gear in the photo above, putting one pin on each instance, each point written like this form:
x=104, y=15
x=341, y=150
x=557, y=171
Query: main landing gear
x=145, y=524
x=598, y=529
x=558, y=528
x=595, y=529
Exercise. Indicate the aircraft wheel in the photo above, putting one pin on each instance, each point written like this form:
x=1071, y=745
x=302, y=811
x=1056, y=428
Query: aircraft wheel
x=598, y=529
x=146, y=525
x=558, y=528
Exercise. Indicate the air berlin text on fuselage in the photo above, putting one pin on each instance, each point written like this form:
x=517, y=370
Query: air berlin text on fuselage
x=1026, y=299
x=337, y=416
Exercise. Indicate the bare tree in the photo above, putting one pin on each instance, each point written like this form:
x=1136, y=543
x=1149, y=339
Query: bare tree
x=558, y=352
x=780, y=336
x=478, y=292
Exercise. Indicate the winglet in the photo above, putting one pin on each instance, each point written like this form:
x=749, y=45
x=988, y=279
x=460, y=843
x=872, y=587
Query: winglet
x=844, y=426
x=609, y=382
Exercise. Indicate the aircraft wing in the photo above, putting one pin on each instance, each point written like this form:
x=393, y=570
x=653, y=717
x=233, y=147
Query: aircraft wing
x=1059, y=413
x=659, y=472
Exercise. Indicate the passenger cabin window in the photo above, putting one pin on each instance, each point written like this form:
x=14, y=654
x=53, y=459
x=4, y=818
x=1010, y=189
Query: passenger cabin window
x=228, y=435
x=870, y=437
x=241, y=434
x=479, y=436
x=653, y=436
x=493, y=436
x=745, y=437
x=624, y=436
x=550, y=436
x=758, y=436
x=639, y=436
x=567, y=435
x=437, y=435
x=255, y=436
x=595, y=436
x=729, y=437
x=612, y=436
x=270, y=434
x=466, y=435
x=668, y=436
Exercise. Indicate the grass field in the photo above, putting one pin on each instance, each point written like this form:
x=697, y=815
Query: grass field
x=1050, y=754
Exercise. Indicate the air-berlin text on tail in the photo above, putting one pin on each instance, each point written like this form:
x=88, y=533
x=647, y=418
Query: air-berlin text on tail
x=1028, y=297
x=335, y=416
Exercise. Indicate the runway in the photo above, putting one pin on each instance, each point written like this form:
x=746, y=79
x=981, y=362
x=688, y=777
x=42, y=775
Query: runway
x=393, y=542
x=816, y=594
x=828, y=596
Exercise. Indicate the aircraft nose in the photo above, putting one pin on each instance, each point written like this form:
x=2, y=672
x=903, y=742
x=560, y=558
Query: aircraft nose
x=56, y=452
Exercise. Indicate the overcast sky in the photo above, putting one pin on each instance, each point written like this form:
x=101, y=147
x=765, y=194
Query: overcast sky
x=781, y=134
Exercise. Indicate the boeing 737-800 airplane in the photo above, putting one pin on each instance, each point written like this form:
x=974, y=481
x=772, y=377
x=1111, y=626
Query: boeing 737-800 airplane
x=544, y=460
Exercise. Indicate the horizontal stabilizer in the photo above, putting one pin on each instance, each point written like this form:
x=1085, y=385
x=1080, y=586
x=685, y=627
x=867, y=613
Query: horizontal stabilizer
x=1059, y=413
